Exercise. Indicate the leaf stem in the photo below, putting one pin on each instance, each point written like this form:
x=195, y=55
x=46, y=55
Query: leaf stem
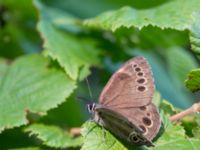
x=195, y=108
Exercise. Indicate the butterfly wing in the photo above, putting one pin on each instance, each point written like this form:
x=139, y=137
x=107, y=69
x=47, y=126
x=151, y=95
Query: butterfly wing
x=120, y=126
x=145, y=117
x=131, y=86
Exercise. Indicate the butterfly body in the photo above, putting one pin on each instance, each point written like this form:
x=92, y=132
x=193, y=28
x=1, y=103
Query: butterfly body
x=125, y=106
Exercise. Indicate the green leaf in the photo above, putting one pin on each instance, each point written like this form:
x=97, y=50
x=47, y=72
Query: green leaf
x=72, y=52
x=193, y=80
x=174, y=138
x=167, y=107
x=30, y=86
x=17, y=33
x=71, y=106
x=26, y=148
x=196, y=132
x=99, y=139
x=163, y=16
x=53, y=136
x=195, y=33
x=3, y=67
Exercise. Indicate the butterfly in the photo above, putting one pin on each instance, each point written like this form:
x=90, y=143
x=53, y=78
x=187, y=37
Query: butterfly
x=125, y=105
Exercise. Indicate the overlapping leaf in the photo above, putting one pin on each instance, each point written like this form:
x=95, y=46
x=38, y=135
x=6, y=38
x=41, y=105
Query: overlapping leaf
x=53, y=136
x=30, y=86
x=99, y=139
x=163, y=16
x=174, y=138
x=71, y=52
x=193, y=80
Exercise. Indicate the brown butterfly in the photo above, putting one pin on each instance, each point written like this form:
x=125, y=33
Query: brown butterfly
x=125, y=104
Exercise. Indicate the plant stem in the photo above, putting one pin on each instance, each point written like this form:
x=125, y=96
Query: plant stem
x=195, y=108
x=75, y=131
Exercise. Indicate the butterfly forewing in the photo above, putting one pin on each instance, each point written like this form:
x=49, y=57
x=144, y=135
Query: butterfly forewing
x=132, y=85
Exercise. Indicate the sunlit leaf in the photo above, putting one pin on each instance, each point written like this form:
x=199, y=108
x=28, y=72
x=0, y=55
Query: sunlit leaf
x=99, y=139
x=30, y=86
x=174, y=138
x=163, y=16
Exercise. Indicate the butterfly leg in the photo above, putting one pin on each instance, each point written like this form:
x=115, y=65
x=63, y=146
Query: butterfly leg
x=104, y=133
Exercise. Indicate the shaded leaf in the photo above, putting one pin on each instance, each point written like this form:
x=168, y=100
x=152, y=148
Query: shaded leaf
x=18, y=34
x=167, y=107
x=62, y=115
x=193, y=80
x=26, y=148
x=53, y=136
x=30, y=86
x=71, y=52
x=3, y=67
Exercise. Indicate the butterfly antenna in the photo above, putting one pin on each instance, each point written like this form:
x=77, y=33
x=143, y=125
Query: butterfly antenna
x=89, y=89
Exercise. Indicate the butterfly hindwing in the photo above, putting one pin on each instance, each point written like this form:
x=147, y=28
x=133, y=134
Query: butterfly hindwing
x=120, y=126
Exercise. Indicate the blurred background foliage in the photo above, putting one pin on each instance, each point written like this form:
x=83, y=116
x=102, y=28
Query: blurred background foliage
x=168, y=51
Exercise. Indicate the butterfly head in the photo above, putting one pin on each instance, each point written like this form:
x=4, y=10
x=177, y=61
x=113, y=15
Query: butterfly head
x=91, y=107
